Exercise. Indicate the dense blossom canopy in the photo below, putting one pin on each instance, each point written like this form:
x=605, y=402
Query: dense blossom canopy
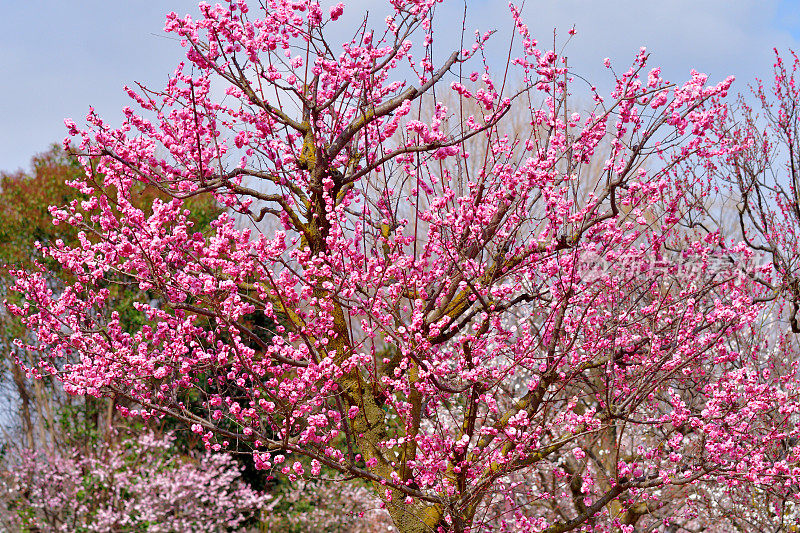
x=491, y=304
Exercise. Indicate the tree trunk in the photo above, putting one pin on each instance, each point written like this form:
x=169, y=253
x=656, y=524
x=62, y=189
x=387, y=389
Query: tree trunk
x=25, y=407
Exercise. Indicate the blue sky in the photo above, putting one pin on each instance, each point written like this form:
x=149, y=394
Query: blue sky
x=58, y=58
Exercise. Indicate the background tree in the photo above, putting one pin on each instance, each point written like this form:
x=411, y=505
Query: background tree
x=24, y=208
x=69, y=463
x=446, y=331
x=135, y=484
x=761, y=182
x=25, y=200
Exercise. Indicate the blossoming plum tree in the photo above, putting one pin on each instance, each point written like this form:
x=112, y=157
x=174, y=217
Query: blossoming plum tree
x=766, y=179
x=508, y=339
x=137, y=484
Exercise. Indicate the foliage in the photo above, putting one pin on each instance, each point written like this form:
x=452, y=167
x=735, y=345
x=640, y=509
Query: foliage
x=25, y=206
x=325, y=506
